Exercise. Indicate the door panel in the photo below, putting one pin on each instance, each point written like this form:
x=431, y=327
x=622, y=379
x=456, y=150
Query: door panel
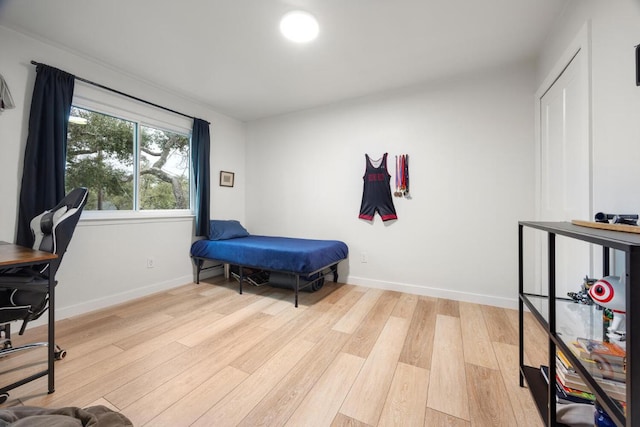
x=565, y=170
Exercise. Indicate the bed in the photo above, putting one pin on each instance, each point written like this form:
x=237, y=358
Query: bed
x=305, y=261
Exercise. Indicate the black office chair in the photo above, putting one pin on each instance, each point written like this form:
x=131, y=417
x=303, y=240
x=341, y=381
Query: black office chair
x=52, y=231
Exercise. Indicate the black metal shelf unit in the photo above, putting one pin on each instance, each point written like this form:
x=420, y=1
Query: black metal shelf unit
x=549, y=311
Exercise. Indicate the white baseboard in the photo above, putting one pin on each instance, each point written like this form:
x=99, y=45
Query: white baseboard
x=435, y=292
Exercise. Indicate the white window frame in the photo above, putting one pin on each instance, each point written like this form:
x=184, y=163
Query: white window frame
x=100, y=101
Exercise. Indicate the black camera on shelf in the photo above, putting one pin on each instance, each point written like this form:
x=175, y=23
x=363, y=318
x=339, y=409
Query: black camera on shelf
x=629, y=219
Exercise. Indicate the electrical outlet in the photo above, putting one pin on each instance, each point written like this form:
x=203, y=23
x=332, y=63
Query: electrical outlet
x=363, y=257
x=150, y=262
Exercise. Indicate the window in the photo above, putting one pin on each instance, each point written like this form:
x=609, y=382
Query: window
x=125, y=164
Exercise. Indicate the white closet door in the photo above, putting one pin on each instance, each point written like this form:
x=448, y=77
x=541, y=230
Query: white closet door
x=565, y=169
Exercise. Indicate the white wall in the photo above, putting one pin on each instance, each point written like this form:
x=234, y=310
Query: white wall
x=470, y=142
x=106, y=261
x=615, y=31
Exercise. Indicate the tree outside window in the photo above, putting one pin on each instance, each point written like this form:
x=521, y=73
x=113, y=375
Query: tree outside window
x=110, y=155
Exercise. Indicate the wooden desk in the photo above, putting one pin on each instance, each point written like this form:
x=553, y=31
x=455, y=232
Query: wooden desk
x=19, y=256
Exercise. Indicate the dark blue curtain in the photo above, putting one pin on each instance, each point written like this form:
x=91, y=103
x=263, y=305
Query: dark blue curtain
x=45, y=153
x=200, y=142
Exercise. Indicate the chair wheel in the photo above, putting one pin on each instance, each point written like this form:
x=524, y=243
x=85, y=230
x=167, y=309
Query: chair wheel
x=59, y=355
x=3, y=397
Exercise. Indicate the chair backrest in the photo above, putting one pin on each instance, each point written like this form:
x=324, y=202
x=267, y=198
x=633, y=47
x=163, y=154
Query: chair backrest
x=52, y=230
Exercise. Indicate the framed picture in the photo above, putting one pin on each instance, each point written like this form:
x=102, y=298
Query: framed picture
x=226, y=179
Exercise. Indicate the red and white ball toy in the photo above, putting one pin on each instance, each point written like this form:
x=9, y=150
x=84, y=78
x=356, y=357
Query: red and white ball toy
x=609, y=292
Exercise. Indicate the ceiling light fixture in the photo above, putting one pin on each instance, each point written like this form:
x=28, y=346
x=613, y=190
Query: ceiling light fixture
x=299, y=26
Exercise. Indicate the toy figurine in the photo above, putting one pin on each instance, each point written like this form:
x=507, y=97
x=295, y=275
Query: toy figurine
x=609, y=292
x=582, y=296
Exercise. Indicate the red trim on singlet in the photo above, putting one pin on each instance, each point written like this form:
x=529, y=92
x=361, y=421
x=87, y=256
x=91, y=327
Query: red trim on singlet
x=388, y=217
x=367, y=217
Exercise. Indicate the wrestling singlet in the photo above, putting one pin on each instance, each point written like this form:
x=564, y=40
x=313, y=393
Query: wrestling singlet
x=376, y=194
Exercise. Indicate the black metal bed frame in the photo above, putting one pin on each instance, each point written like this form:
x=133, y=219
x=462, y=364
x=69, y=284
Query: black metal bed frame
x=321, y=272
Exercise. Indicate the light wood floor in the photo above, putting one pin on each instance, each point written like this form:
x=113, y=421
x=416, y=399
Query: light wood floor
x=203, y=355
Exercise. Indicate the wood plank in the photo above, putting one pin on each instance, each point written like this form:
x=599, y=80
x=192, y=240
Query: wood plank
x=475, y=337
x=262, y=351
x=197, y=300
x=318, y=328
x=277, y=307
x=342, y=420
x=448, y=307
x=111, y=329
x=626, y=228
x=435, y=418
x=487, y=398
x=405, y=306
x=230, y=410
x=313, y=299
x=196, y=402
x=447, y=380
x=219, y=326
x=524, y=408
x=155, y=402
x=11, y=255
x=353, y=318
x=364, y=338
x=407, y=399
x=335, y=296
x=84, y=387
x=237, y=301
x=140, y=306
x=200, y=318
x=499, y=325
x=215, y=290
x=104, y=402
x=284, y=317
x=220, y=352
x=536, y=344
x=286, y=396
x=417, y=348
x=377, y=373
x=321, y=404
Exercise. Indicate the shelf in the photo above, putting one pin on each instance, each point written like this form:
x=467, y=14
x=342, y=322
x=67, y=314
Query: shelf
x=565, y=320
x=573, y=320
x=612, y=239
x=538, y=388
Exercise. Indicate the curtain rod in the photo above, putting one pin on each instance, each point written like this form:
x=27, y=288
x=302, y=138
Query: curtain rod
x=125, y=94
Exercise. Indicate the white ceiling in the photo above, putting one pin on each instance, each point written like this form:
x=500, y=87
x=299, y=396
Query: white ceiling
x=230, y=55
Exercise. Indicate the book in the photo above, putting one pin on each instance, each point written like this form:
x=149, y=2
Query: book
x=579, y=351
x=573, y=383
x=591, y=364
x=561, y=395
x=575, y=392
x=596, y=349
x=569, y=378
x=612, y=369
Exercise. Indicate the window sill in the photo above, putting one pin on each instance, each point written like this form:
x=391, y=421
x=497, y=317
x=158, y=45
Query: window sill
x=132, y=217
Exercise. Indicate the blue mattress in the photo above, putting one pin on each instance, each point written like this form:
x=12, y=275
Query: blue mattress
x=300, y=256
